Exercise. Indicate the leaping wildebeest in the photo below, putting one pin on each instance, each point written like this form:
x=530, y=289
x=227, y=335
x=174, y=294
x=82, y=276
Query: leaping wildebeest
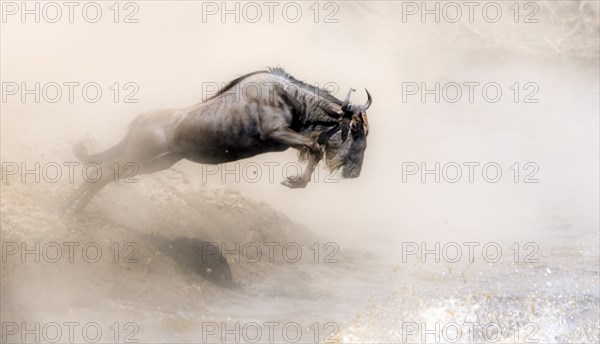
x=260, y=112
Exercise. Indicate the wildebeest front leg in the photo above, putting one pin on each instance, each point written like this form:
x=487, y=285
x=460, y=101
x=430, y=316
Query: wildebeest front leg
x=301, y=181
x=296, y=140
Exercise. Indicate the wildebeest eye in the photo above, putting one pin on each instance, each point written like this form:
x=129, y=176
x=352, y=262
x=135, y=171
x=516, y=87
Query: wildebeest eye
x=354, y=127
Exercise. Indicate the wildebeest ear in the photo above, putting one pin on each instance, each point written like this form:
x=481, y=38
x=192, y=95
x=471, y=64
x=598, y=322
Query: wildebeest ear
x=344, y=132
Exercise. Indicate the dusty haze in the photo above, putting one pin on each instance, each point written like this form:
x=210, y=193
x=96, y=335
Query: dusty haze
x=171, y=55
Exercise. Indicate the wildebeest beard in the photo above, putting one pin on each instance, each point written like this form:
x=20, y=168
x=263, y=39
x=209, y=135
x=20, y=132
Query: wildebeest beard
x=340, y=146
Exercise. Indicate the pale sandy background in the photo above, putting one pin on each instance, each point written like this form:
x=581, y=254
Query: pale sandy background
x=170, y=53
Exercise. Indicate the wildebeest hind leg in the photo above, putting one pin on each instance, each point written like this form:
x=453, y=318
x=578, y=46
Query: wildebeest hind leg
x=160, y=162
x=85, y=192
x=75, y=195
x=92, y=190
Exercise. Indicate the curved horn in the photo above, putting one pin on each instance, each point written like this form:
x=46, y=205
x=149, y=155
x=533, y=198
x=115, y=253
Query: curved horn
x=369, y=100
x=347, y=100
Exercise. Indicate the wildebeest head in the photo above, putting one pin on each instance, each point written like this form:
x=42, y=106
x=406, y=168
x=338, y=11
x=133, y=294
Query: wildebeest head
x=346, y=142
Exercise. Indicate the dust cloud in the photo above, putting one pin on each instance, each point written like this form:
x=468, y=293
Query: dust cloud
x=356, y=280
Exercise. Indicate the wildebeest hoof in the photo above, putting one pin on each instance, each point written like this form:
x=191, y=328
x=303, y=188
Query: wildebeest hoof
x=296, y=182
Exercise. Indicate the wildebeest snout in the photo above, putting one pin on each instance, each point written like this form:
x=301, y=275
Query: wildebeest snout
x=351, y=172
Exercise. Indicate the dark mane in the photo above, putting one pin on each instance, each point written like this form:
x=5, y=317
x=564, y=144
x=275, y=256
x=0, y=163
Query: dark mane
x=281, y=73
x=234, y=82
x=314, y=108
x=301, y=84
